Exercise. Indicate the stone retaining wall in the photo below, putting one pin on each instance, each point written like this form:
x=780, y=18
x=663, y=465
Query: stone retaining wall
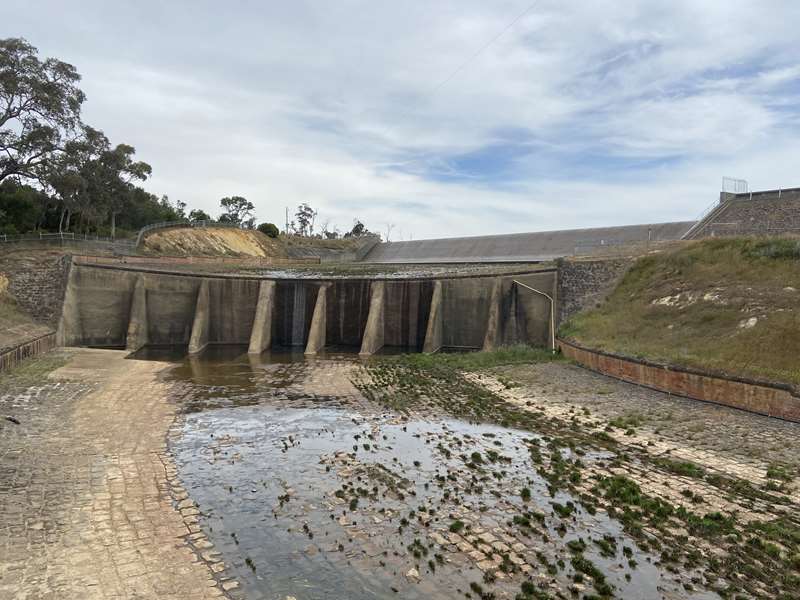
x=585, y=283
x=11, y=358
x=37, y=283
x=773, y=212
x=774, y=400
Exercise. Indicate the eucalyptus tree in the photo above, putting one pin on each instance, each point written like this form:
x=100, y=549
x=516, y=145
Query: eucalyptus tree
x=40, y=105
x=93, y=178
x=238, y=210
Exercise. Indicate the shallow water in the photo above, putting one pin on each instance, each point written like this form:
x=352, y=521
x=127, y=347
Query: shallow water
x=275, y=472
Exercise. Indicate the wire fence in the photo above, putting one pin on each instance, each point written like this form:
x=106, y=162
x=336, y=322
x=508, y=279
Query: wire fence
x=66, y=236
x=731, y=185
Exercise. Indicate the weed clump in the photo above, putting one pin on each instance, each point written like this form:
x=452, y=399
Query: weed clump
x=456, y=526
x=681, y=468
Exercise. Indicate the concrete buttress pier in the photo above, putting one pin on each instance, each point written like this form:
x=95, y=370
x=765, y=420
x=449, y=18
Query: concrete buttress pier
x=318, y=330
x=433, y=336
x=374, y=332
x=493, y=327
x=261, y=336
x=137, y=326
x=200, y=326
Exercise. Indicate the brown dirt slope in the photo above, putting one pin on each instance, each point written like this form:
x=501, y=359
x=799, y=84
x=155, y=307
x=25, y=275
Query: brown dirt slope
x=727, y=305
x=222, y=241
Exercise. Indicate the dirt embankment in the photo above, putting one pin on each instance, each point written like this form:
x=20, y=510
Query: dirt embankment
x=221, y=241
x=224, y=241
x=728, y=305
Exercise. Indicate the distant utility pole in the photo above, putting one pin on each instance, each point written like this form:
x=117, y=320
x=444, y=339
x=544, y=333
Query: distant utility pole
x=286, y=227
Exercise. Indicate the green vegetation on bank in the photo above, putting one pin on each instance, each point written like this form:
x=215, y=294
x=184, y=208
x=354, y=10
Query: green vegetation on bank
x=729, y=305
x=474, y=361
x=408, y=381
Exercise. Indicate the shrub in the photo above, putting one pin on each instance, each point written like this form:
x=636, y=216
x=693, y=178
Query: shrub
x=269, y=229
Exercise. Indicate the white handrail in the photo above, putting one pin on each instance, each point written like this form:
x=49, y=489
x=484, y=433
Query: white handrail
x=552, y=313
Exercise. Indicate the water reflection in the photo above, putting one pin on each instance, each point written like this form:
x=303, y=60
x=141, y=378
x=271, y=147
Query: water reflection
x=310, y=496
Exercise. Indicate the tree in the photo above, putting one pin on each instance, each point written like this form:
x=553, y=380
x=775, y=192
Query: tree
x=20, y=207
x=269, y=229
x=113, y=173
x=40, y=104
x=65, y=174
x=305, y=216
x=93, y=178
x=358, y=230
x=238, y=210
x=199, y=215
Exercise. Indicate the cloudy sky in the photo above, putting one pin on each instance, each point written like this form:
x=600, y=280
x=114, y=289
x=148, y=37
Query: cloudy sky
x=582, y=113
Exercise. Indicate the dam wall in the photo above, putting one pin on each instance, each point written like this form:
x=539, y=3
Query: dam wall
x=524, y=247
x=128, y=308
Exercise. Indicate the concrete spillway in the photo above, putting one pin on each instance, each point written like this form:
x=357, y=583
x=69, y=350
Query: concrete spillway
x=522, y=247
x=105, y=306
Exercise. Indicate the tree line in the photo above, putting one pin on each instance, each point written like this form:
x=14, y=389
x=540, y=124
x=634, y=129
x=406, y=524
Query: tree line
x=59, y=174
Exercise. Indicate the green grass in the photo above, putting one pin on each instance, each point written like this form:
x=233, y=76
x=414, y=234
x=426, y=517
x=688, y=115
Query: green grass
x=749, y=277
x=10, y=314
x=409, y=381
x=478, y=361
x=681, y=467
x=32, y=371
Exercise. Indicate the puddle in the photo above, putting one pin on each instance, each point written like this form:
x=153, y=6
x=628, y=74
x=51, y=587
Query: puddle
x=314, y=496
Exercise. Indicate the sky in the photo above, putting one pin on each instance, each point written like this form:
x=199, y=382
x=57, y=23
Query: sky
x=417, y=119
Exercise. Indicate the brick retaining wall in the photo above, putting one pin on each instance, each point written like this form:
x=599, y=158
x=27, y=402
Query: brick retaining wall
x=11, y=358
x=774, y=400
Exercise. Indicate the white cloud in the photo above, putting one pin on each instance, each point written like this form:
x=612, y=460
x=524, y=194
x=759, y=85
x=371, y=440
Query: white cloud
x=310, y=101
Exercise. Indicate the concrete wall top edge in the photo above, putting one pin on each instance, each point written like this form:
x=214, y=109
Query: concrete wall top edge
x=223, y=276
x=684, y=369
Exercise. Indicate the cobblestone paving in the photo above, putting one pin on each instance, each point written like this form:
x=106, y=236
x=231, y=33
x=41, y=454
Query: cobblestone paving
x=707, y=429
x=720, y=439
x=91, y=505
x=85, y=495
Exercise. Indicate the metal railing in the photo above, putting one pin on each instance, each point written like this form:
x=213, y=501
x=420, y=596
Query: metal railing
x=732, y=185
x=66, y=236
x=552, y=313
x=701, y=223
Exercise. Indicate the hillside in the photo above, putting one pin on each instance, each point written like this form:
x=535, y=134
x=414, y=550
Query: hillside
x=728, y=305
x=221, y=241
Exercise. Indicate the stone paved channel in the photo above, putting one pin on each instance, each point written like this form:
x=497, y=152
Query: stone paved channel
x=86, y=504
x=282, y=477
